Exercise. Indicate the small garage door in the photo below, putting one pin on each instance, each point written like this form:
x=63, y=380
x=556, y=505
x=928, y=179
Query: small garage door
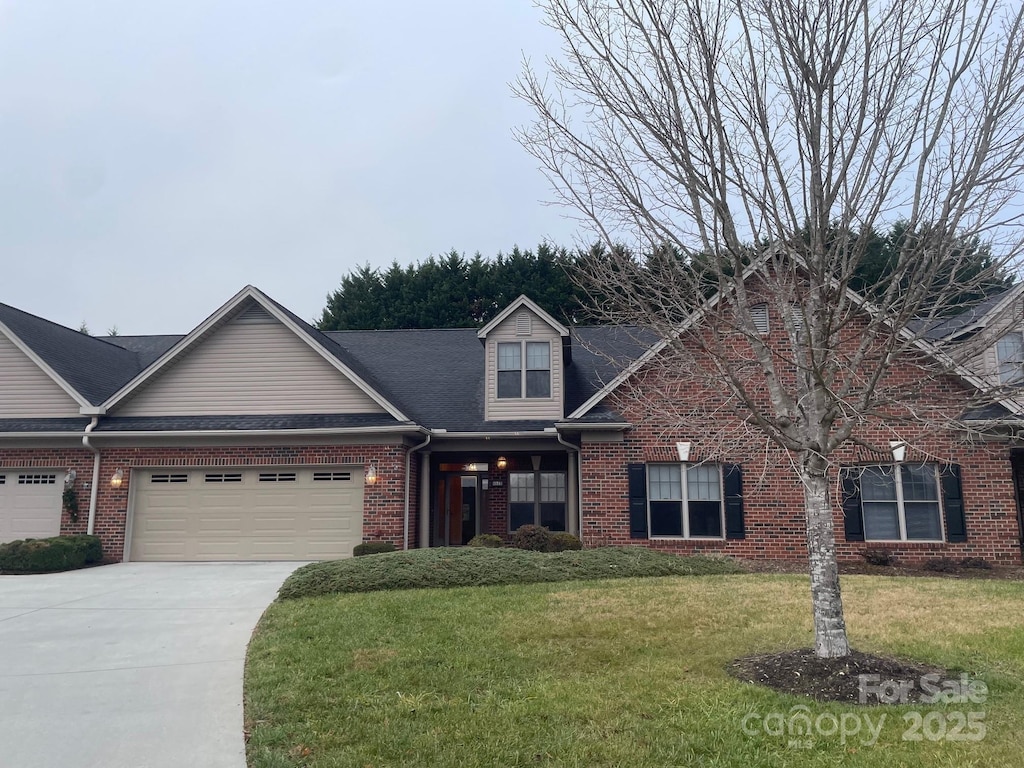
x=234, y=514
x=30, y=504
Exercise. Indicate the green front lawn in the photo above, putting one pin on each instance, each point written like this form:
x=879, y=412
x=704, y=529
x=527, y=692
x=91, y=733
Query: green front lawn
x=612, y=673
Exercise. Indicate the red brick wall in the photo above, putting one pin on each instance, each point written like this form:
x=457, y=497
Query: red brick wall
x=383, y=501
x=773, y=496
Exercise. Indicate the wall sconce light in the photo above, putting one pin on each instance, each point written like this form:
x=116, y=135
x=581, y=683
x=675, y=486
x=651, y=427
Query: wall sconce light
x=117, y=478
x=501, y=463
x=899, y=450
x=371, y=474
x=684, y=451
x=536, y=462
x=69, y=478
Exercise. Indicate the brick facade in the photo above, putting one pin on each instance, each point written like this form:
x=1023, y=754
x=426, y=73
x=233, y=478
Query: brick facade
x=384, y=501
x=774, y=502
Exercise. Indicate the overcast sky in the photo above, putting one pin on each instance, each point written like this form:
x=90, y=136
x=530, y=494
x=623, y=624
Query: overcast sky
x=157, y=156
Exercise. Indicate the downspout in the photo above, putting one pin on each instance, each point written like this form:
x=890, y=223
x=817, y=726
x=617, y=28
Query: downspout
x=95, y=474
x=408, y=472
x=579, y=482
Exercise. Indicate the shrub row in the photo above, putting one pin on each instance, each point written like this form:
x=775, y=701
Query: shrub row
x=482, y=566
x=59, y=553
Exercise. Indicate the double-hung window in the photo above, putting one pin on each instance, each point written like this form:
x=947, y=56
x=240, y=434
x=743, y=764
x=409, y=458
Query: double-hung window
x=901, y=503
x=537, y=498
x=685, y=500
x=1010, y=355
x=515, y=378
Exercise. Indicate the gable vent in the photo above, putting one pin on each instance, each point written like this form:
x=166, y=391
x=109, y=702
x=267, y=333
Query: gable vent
x=254, y=314
x=759, y=314
x=524, y=324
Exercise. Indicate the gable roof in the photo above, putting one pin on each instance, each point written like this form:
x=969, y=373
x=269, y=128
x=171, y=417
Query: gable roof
x=974, y=318
x=923, y=342
x=523, y=301
x=230, y=309
x=89, y=369
x=437, y=375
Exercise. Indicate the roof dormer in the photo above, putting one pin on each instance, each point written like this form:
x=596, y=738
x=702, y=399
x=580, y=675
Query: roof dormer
x=526, y=351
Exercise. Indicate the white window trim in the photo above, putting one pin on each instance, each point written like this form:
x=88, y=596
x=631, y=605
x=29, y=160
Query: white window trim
x=1019, y=377
x=685, y=505
x=901, y=510
x=523, y=368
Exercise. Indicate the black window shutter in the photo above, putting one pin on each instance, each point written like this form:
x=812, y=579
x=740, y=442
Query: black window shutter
x=953, y=503
x=638, y=501
x=853, y=516
x=732, y=484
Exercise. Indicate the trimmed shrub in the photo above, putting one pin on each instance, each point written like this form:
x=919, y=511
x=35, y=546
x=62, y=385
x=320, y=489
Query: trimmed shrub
x=448, y=567
x=879, y=557
x=534, y=538
x=564, y=542
x=976, y=562
x=486, y=540
x=373, y=548
x=940, y=565
x=59, y=553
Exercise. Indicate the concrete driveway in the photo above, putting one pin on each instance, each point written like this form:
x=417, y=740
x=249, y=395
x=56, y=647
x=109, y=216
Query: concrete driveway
x=136, y=665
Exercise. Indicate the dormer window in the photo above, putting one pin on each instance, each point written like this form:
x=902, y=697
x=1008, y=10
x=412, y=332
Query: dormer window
x=514, y=378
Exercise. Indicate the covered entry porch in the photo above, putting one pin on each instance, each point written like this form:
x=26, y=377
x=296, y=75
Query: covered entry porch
x=464, y=493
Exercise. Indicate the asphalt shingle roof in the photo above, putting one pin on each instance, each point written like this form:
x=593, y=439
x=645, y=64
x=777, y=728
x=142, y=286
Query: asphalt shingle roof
x=437, y=375
x=93, y=367
x=434, y=376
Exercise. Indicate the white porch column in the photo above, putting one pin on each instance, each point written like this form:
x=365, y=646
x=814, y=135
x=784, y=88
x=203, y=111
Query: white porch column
x=424, y=503
x=573, y=496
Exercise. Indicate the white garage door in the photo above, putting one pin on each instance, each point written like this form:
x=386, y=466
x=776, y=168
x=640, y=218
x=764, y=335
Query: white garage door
x=30, y=504
x=297, y=513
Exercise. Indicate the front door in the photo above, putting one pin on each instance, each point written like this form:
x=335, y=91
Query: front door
x=457, y=508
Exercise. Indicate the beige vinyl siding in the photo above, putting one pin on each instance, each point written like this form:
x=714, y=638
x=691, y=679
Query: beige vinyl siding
x=509, y=409
x=985, y=362
x=26, y=391
x=251, y=365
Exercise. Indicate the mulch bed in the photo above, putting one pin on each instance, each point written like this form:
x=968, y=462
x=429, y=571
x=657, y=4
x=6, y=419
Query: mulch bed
x=803, y=673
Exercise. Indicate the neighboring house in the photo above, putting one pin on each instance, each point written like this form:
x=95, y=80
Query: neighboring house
x=257, y=437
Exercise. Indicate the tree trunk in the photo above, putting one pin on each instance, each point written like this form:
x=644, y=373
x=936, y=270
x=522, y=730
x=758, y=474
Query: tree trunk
x=827, y=602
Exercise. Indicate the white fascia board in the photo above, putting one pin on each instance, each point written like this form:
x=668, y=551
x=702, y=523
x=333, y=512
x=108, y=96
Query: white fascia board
x=210, y=323
x=522, y=301
x=44, y=367
x=182, y=344
x=373, y=394
x=592, y=426
x=171, y=433
x=491, y=435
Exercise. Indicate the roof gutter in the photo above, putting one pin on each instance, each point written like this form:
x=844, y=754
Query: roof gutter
x=95, y=474
x=403, y=429
x=408, y=471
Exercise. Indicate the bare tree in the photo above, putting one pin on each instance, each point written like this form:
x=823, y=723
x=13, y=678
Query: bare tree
x=730, y=138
